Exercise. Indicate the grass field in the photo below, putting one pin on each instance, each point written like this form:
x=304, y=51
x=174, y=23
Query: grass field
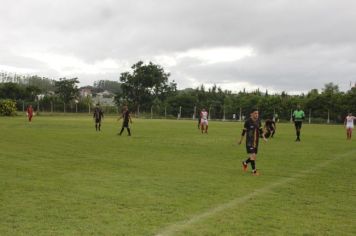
x=60, y=177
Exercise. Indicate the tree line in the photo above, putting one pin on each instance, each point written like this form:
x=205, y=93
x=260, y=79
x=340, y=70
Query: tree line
x=146, y=88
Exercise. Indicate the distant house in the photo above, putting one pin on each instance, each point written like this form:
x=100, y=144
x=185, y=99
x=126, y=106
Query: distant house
x=105, y=98
x=85, y=92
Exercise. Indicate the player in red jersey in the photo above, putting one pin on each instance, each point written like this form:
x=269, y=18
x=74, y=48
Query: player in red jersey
x=29, y=113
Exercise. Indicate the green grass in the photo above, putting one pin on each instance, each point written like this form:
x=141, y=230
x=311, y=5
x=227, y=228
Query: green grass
x=60, y=177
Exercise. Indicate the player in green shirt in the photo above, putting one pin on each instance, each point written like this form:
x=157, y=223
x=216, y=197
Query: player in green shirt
x=298, y=117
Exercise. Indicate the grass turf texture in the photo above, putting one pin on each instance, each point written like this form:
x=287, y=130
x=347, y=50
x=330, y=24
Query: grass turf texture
x=61, y=177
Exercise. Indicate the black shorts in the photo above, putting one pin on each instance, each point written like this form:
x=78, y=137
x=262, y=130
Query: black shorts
x=251, y=149
x=298, y=124
x=125, y=125
x=97, y=120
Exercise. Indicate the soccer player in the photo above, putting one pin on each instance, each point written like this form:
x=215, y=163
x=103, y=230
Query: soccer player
x=270, y=128
x=98, y=115
x=252, y=129
x=349, y=123
x=29, y=113
x=126, y=118
x=298, y=117
x=204, y=121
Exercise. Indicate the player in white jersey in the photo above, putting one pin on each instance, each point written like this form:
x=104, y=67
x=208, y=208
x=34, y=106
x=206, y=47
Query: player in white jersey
x=204, y=121
x=349, y=123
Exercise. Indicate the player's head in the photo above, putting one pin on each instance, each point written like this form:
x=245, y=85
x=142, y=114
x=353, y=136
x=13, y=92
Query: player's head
x=97, y=105
x=125, y=108
x=298, y=107
x=254, y=113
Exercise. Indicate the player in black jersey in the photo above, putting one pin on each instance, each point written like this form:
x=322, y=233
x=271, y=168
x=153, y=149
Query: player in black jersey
x=126, y=119
x=98, y=115
x=252, y=129
x=269, y=128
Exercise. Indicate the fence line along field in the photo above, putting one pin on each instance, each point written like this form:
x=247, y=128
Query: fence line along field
x=61, y=177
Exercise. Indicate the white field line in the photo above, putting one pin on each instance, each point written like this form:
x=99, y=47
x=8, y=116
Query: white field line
x=179, y=226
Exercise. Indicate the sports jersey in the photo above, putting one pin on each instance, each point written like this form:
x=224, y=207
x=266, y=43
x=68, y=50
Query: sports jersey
x=204, y=118
x=98, y=114
x=253, y=129
x=298, y=115
x=30, y=111
x=126, y=118
x=350, y=121
x=204, y=115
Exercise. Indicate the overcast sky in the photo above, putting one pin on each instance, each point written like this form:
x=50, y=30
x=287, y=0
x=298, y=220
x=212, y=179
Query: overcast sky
x=279, y=45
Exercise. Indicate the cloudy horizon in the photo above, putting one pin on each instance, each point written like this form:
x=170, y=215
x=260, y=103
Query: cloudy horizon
x=278, y=45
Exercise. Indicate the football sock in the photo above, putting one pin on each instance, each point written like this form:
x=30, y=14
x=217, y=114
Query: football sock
x=128, y=130
x=121, y=131
x=248, y=160
x=253, y=164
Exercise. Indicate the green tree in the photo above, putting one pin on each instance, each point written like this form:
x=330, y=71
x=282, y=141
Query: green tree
x=32, y=92
x=67, y=89
x=12, y=91
x=145, y=84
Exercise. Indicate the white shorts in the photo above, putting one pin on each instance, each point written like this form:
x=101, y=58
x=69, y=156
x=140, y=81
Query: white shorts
x=203, y=122
x=349, y=126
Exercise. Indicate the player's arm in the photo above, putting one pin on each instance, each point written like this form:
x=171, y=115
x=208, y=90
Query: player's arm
x=242, y=135
x=243, y=132
x=263, y=134
x=130, y=118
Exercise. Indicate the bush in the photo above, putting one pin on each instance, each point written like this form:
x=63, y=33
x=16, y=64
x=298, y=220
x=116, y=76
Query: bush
x=7, y=108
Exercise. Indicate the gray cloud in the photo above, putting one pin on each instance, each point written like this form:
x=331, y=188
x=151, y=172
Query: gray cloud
x=298, y=45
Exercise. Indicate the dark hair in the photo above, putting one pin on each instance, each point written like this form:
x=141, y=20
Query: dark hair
x=253, y=110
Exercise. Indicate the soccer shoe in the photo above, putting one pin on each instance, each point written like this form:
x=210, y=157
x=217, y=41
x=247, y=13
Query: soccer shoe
x=255, y=173
x=244, y=166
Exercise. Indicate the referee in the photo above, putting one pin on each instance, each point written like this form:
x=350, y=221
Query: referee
x=298, y=117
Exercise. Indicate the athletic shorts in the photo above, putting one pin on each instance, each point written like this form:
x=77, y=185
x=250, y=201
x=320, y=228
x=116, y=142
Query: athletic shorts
x=97, y=120
x=251, y=149
x=203, y=122
x=298, y=124
x=351, y=126
x=125, y=125
x=268, y=134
